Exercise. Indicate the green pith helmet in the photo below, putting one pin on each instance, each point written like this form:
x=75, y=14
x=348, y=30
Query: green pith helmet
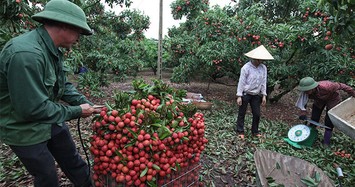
x=307, y=83
x=64, y=11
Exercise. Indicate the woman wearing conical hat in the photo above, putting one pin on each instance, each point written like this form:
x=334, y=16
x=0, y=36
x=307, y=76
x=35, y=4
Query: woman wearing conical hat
x=252, y=89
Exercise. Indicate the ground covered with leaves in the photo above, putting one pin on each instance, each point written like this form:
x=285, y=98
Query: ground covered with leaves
x=227, y=161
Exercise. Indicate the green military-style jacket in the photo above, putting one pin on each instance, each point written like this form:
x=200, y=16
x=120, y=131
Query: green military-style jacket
x=32, y=82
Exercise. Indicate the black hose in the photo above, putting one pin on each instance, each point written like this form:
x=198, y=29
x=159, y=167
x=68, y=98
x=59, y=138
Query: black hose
x=82, y=144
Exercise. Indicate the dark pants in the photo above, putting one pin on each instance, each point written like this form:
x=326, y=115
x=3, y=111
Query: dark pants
x=255, y=102
x=38, y=159
x=316, y=114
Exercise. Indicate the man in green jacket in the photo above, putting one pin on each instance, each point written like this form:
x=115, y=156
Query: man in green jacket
x=32, y=82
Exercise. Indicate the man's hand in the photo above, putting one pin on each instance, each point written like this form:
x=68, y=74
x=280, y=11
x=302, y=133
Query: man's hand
x=239, y=101
x=98, y=108
x=302, y=117
x=87, y=110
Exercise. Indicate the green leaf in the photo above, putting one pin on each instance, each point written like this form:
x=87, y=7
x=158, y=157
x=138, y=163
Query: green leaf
x=156, y=167
x=270, y=179
x=135, y=135
x=278, y=165
x=310, y=182
x=119, y=154
x=156, y=125
x=144, y=172
x=317, y=177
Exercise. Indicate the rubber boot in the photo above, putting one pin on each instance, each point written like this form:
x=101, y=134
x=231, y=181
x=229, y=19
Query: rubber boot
x=327, y=136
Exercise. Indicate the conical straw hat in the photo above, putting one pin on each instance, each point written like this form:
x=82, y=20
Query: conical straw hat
x=259, y=53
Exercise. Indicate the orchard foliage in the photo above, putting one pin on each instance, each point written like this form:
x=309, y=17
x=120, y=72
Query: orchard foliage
x=15, y=18
x=302, y=36
x=343, y=21
x=15, y=15
x=306, y=38
x=116, y=42
x=189, y=8
x=117, y=47
x=109, y=29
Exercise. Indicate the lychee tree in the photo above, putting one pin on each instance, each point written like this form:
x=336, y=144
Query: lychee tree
x=115, y=47
x=15, y=15
x=300, y=35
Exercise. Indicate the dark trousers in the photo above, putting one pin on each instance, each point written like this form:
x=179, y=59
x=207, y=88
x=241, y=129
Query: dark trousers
x=39, y=159
x=316, y=114
x=255, y=102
